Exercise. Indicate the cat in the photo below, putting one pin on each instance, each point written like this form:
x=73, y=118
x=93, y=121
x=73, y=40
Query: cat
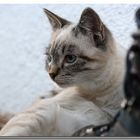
x=5, y=117
x=87, y=64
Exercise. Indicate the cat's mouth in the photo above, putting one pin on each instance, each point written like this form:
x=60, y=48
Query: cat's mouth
x=62, y=81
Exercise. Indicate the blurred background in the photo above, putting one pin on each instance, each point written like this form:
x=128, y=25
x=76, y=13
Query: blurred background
x=24, y=35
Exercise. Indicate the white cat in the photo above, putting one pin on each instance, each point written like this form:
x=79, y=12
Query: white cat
x=85, y=61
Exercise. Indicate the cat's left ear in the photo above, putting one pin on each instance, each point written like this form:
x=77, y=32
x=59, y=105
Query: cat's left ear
x=90, y=22
x=56, y=21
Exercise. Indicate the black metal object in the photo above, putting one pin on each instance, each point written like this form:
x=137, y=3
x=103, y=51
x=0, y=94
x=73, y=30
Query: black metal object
x=127, y=121
x=138, y=18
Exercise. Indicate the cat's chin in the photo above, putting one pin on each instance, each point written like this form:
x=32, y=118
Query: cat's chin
x=63, y=85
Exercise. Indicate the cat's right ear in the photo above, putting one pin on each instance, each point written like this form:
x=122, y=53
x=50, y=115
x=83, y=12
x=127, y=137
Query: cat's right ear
x=56, y=21
x=90, y=22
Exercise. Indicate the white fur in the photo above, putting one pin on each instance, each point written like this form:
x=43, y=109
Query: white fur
x=60, y=116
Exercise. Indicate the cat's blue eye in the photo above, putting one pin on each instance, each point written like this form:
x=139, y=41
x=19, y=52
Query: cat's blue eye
x=70, y=58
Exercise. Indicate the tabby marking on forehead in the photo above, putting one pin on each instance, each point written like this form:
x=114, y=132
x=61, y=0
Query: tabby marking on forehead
x=67, y=37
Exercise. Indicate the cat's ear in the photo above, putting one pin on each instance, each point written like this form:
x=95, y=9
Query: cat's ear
x=91, y=22
x=56, y=21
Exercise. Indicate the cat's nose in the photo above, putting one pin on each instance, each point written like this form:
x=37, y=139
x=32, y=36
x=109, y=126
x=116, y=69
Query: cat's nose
x=53, y=71
x=53, y=75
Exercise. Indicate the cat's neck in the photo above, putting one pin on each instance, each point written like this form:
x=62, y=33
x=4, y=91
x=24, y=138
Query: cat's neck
x=109, y=88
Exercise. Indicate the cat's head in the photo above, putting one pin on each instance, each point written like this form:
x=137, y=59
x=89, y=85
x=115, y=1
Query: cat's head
x=78, y=53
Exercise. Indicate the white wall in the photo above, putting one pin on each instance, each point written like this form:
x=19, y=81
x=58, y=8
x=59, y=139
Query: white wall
x=24, y=34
